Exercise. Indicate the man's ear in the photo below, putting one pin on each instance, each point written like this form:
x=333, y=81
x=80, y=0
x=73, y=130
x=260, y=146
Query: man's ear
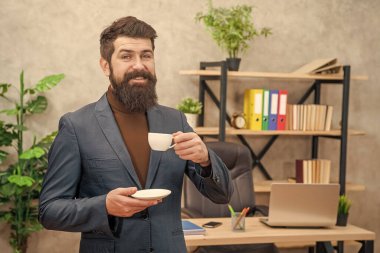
x=105, y=66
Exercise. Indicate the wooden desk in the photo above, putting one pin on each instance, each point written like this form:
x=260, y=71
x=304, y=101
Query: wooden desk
x=256, y=232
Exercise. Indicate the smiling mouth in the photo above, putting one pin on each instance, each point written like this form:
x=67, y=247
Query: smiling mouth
x=138, y=80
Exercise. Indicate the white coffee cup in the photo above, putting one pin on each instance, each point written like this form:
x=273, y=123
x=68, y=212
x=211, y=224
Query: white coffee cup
x=160, y=142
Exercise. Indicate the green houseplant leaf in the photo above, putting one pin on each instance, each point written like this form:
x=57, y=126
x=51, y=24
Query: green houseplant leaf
x=7, y=134
x=35, y=152
x=48, y=82
x=3, y=156
x=4, y=88
x=21, y=182
x=37, y=105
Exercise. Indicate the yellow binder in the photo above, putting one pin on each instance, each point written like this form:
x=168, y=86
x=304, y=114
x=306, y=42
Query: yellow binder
x=246, y=108
x=256, y=109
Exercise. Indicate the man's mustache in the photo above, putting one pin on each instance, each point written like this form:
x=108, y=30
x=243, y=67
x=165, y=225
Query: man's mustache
x=137, y=73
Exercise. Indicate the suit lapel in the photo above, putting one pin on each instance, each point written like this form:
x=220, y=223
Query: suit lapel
x=110, y=129
x=156, y=125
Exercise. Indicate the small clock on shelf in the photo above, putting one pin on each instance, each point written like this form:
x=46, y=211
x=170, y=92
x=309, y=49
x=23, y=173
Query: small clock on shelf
x=238, y=121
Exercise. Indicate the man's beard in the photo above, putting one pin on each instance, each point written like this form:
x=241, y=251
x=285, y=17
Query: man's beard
x=136, y=98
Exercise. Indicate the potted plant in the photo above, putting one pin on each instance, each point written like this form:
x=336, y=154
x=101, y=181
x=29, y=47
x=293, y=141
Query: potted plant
x=232, y=29
x=191, y=108
x=343, y=210
x=22, y=169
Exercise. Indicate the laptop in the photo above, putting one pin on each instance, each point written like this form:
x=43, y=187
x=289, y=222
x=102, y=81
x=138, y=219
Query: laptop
x=302, y=205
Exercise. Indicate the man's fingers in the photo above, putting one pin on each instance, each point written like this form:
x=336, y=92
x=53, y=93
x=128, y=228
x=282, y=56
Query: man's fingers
x=176, y=133
x=126, y=191
x=181, y=137
x=141, y=203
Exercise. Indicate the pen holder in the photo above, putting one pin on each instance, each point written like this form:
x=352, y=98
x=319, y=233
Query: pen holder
x=238, y=222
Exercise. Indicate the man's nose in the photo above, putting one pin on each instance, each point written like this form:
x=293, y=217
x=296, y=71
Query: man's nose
x=138, y=64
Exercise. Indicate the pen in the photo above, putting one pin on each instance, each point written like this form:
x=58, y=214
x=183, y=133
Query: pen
x=231, y=210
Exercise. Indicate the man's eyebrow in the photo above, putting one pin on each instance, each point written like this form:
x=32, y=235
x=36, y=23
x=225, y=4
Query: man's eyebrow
x=132, y=51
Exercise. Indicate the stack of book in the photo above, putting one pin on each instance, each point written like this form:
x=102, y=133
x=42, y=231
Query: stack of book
x=265, y=109
x=321, y=67
x=310, y=117
x=315, y=171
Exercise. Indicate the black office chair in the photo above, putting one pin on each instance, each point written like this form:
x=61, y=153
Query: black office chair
x=239, y=162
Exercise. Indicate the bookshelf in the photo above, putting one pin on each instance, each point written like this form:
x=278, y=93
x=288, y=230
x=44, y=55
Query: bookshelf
x=219, y=72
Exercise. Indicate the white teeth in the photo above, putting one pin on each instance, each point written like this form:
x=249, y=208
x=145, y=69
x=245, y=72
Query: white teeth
x=139, y=78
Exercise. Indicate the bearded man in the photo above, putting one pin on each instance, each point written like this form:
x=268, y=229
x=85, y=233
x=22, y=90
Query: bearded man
x=101, y=157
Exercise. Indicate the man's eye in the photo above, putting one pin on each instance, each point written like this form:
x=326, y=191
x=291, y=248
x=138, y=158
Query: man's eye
x=147, y=56
x=126, y=57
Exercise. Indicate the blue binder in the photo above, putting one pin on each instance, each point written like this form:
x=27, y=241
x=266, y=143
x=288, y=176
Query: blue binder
x=273, y=109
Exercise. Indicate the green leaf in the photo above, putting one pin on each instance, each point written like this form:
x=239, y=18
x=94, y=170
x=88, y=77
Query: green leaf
x=3, y=156
x=4, y=88
x=7, y=134
x=7, y=190
x=37, y=105
x=30, y=91
x=34, y=228
x=10, y=112
x=48, y=139
x=48, y=82
x=35, y=152
x=20, y=127
x=6, y=216
x=21, y=180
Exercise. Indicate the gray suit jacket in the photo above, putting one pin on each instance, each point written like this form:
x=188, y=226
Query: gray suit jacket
x=88, y=159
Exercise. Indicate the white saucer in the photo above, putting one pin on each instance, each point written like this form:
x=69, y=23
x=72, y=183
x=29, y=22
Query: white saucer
x=151, y=194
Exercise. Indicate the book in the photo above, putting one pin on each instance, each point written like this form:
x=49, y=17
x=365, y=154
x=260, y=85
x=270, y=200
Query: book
x=329, y=114
x=289, y=115
x=315, y=65
x=190, y=228
x=299, y=171
x=330, y=69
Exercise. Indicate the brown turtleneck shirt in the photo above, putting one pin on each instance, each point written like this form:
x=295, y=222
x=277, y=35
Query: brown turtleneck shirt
x=134, y=130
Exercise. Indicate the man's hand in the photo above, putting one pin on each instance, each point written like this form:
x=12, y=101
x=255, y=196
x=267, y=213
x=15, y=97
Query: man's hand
x=189, y=146
x=119, y=203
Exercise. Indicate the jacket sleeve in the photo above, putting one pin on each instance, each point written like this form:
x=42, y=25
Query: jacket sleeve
x=59, y=207
x=218, y=185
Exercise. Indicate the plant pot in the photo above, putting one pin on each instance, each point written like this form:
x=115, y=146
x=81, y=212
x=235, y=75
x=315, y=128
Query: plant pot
x=192, y=119
x=342, y=219
x=233, y=64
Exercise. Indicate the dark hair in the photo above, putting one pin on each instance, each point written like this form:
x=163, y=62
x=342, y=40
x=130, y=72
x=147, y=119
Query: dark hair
x=128, y=27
